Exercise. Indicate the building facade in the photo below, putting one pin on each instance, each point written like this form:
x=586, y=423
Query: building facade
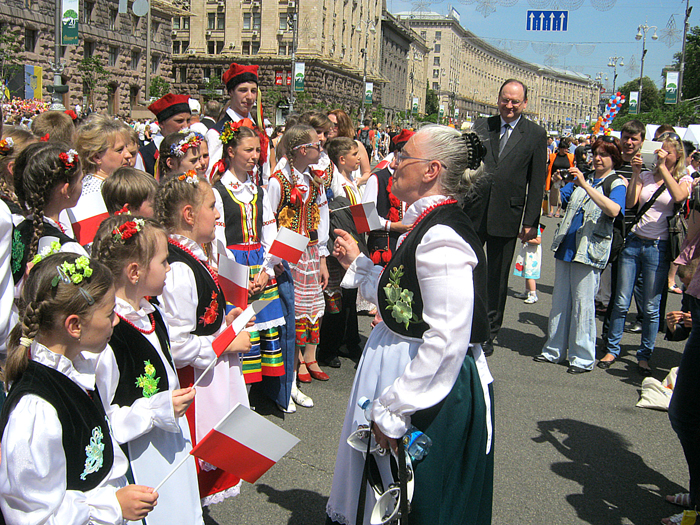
x=116, y=40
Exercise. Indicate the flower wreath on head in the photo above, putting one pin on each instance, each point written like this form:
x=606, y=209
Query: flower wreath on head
x=73, y=272
x=69, y=158
x=190, y=177
x=231, y=129
x=6, y=145
x=191, y=140
x=127, y=230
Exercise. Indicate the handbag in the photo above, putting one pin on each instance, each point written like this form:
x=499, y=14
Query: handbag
x=677, y=230
x=648, y=204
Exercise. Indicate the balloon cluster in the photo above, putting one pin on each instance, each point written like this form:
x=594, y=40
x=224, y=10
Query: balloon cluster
x=613, y=106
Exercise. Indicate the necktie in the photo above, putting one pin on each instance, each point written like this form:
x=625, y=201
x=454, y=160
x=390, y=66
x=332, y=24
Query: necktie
x=504, y=138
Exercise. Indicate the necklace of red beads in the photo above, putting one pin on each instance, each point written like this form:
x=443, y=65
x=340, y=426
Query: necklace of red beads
x=150, y=316
x=431, y=208
x=211, y=271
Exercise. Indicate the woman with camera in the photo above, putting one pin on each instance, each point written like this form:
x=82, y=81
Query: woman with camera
x=582, y=247
x=559, y=164
x=644, y=253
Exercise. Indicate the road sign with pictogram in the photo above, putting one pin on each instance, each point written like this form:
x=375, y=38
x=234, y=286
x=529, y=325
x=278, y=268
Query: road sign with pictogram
x=547, y=20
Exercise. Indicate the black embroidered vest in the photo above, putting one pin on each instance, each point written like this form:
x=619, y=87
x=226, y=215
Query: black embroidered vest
x=132, y=350
x=449, y=215
x=206, y=288
x=303, y=219
x=83, y=421
x=234, y=217
x=22, y=237
x=148, y=154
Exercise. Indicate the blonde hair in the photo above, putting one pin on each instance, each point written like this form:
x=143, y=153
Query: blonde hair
x=679, y=168
x=97, y=135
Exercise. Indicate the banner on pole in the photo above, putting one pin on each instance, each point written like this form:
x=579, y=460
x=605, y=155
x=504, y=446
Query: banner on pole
x=299, y=72
x=671, y=87
x=414, y=108
x=69, y=22
x=369, y=91
x=634, y=102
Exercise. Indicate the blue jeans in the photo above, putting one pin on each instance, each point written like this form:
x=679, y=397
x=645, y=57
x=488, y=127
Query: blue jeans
x=646, y=258
x=572, y=319
x=683, y=410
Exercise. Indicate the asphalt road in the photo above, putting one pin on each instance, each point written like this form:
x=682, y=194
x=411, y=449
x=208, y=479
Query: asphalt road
x=568, y=449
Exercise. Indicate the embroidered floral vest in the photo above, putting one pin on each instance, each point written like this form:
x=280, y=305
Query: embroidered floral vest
x=238, y=229
x=87, y=443
x=304, y=219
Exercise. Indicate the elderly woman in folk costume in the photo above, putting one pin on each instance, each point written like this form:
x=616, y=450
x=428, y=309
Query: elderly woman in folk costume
x=423, y=367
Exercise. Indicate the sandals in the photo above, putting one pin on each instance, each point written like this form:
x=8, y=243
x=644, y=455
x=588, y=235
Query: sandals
x=676, y=519
x=682, y=499
x=675, y=289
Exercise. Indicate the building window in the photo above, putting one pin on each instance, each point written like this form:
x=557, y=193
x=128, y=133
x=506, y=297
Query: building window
x=113, y=55
x=155, y=64
x=87, y=12
x=206, y=72
x=436, y=73
x=63, y=48
x=254, y=48
x=219, y=46
x=112, y=25
x=220, y=21
x=282, y=49
x=217, y=72
x=30, y=36
x=135, y=58
x=423, y=35
x=185, y=45
x=135, y=24
x=176, y=47
x=211, y=20
x=283, y=22
x=437, y=48
x=183, y=74
x=256, y=21
x=155, y=26
x=246, y=48
x=176, y=22
x=246, y=21
x=210, y=47
x=185, y=23
x=88, y=49
x=438, y=35
x=436, y=61
x=436, y=86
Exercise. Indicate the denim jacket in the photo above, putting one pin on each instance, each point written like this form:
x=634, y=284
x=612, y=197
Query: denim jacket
x=594, y=237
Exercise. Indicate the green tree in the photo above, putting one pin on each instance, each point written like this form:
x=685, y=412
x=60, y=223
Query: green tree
x=159, y=87
x=93, y=73
x=651, y=98
x=10, y=49
x=691, y=72
x=431, y=101
x=681, y=114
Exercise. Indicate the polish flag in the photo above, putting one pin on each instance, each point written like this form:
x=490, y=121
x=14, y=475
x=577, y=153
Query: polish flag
x=289, y=245
x=365, y=217
x=233, y=278
x=87, y=216
x=225, y=338
x=244, y=444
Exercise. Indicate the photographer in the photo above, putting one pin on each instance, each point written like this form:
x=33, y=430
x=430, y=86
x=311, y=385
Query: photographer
x=582, y=247
x=559, y=164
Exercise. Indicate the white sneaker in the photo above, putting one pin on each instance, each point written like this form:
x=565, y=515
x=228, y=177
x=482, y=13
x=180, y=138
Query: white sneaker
x=532, y=298
x=300, y=398
x=290, y=409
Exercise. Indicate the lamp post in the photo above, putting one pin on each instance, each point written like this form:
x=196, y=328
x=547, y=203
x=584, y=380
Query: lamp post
x=369, y=26
x=57, y=90
x=409, y=116
x=292, y=24
x=613, y=63
x=642, y=31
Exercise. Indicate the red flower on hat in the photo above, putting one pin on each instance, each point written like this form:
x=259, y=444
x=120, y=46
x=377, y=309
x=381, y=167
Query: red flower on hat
x=71, y=114
x=45, y=138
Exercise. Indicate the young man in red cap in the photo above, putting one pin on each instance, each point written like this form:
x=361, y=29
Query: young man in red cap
x=242, y=86
x=173, y=114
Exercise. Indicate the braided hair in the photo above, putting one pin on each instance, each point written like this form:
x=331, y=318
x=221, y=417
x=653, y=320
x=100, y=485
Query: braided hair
x=20, y=139
x=173, y=195
x=44, y=307
x=38, y=171
x=294, y=137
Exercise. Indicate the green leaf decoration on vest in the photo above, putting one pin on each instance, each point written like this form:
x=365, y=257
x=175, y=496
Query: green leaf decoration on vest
x=94, y=452
x=17, y=251
x=400, y=300
x=148, y=381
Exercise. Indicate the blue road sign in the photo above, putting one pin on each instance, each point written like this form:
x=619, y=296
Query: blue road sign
x=547, y=20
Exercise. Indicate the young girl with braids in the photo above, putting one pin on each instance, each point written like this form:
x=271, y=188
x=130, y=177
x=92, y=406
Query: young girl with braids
x=194, y=307
x=247, y=228
x=48, y=180
x=60, y=463
x=299, y=199
x=179, y=153
x=14, y=140
x=136, y=376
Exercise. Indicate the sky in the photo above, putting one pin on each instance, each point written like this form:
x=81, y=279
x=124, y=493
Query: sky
x=592, y=37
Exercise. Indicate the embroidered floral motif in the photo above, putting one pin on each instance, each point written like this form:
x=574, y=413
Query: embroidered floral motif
x=212, y=311
x=148, y=381
x=400, y=300
x=94, y=452
x=17, y=251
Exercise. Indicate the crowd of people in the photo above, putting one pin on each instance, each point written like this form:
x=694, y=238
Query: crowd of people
x=112, y=233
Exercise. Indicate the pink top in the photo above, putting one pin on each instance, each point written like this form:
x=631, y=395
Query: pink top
x=689, y=251
x=653, y=225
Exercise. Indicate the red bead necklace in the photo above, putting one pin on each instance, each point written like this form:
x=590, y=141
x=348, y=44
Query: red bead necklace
x=150, y=316
x=211, y=271
x=431, y=208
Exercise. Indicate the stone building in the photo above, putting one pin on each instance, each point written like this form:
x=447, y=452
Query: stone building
x=332, y=39
x=118, y=40
x=467, y=72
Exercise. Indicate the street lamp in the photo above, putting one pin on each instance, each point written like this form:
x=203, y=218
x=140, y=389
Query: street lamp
x=613, y=64
x=642, y=31
x=369, y=26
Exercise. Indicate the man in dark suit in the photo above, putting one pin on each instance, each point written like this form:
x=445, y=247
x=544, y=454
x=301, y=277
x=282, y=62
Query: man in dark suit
x=511, y=192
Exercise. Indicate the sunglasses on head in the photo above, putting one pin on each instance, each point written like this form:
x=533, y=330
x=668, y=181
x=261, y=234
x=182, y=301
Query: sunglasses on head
x=607, y=138
x=668, y=135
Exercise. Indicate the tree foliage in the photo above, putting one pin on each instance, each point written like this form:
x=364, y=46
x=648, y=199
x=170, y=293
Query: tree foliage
x=93, y=73
x=10, y=49
x=159, y=87
x=431, y=101
x=691, y=72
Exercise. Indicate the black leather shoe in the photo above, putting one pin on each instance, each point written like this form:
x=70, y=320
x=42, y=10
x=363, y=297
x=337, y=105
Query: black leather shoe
x=573, y=369
x=333, y=362
x=634, y=328
x=487, y=347
x=604, y=365
x=644, y=371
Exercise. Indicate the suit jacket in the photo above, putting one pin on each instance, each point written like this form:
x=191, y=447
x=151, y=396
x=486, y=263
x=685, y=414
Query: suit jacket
x=511, y=191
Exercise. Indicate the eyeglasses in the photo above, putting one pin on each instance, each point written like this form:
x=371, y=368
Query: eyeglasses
x=316, y=145
x=668, y=135
x=402, y=156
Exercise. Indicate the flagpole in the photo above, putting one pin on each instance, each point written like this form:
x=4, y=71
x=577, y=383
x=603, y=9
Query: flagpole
x=206, y=370
x=171, y=473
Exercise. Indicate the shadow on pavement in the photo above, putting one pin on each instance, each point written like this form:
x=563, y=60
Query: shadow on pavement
x=525, y=344
x=307, y=507
x=617, y=486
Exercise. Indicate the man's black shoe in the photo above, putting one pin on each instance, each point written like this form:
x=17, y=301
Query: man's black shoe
x=634, y=328
x=487, y=347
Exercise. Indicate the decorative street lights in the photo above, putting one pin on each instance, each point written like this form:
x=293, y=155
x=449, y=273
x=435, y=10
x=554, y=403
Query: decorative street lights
x=642, y=35
x=369, y=26
x=613, y=64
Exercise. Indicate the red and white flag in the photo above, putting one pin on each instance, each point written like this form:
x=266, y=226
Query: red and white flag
x=87, y=216
x=289, y=245
x=233, y=278
x=366, y=217
x=225, y=338
x=244, y=444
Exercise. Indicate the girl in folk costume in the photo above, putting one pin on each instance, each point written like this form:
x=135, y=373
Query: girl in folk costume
x=48, y=180
x=248, y=229
x=179, y=153
x=60, y=463
x=136, y=377
x=323, y=168
x=14, y=140
x=300, y=202
x=242, y=87
x=194, y=307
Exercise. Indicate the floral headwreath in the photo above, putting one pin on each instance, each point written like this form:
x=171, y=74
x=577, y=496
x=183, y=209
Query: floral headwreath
x=6, y=145
x=127, y=230
x=190, y=177
x=69, y=158
x=191, y=140
x=75, y=273
x=231, y=129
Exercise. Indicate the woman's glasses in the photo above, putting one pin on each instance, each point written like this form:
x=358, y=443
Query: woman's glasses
x=316, y=145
